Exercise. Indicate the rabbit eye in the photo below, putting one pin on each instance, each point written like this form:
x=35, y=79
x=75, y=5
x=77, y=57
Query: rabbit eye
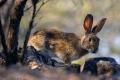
x=90, y=39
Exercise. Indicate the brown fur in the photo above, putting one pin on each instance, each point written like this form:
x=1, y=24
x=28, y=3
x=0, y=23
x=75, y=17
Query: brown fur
x=68, y=46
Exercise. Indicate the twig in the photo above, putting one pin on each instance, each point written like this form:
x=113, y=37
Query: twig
x=34, y=13
x=3, y=40
x=42, y=4
x=28, y=8
x=29, y=30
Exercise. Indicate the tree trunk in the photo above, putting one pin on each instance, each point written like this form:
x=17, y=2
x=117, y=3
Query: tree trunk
x=13, y=30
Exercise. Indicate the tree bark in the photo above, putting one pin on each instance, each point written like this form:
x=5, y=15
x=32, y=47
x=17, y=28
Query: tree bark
x=13, y=30
x=3, y=40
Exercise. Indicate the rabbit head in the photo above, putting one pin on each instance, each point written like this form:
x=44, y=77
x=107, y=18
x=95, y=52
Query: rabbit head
x=90, y=41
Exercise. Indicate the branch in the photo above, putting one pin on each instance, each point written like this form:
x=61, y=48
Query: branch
x=42, y=4
x=13, y=30
x=29, y=29
x=3, y=40
x=34, y=13
x=28, y=8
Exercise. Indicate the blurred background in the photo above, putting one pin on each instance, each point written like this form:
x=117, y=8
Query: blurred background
x=68, y=16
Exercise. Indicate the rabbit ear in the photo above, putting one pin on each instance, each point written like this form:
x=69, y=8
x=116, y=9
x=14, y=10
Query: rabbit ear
x=99, y=26
x=88, y=23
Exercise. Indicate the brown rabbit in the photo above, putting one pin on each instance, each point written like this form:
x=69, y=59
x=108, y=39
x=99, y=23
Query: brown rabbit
x=68, y=46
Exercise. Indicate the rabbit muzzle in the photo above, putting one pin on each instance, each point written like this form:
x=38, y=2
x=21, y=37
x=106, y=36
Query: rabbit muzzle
x=92, y=50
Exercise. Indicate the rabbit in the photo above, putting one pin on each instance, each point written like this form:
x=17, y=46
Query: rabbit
x=68, y=46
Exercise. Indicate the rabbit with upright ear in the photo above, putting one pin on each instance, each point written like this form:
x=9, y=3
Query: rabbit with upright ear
x=90, y=41
x=68, y=46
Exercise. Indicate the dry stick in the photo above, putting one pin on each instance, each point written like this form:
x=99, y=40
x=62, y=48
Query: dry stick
x=3, y=40
x=30, y=28
x=40, y=7
x=28, y=33
x=31, y=24
x=28, y=8
x=13, y=31
x=7, y=16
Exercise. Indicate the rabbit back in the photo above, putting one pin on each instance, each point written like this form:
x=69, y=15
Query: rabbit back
x=62, y=44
